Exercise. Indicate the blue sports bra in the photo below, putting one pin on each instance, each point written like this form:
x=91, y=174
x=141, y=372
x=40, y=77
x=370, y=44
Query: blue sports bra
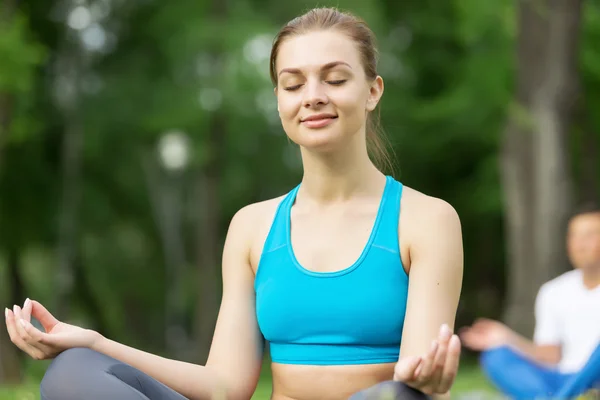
x=351, y=316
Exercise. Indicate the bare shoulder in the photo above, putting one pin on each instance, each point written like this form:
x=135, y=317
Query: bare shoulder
x=253, y=213
x=422, y=212
x=427, y=222
x=254, y=221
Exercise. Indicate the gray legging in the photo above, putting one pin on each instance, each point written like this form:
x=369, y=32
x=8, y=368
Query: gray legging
x=80, y=373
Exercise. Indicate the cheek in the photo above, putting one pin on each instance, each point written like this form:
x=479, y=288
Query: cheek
x=352, y=103
x=596, y=249
x=288, y=106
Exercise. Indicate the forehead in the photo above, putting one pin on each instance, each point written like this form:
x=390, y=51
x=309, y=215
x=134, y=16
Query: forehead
x=589, y=221
x=315, y=49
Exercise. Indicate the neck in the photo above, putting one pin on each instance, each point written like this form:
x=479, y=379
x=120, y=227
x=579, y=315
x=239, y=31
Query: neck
x=591, y=277
x=331, y=177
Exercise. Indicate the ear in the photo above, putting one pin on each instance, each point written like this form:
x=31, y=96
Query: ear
x=375, y=93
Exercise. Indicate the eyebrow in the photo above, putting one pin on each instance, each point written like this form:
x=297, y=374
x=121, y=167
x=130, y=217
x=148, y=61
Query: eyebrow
x=323, y=68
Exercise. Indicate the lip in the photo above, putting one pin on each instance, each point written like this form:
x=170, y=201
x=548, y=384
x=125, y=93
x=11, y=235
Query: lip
x=318, y=117
x=319, y=120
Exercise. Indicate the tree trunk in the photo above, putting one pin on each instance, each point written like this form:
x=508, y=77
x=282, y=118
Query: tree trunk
x=7, y=10
x=534, y=160
x=588, y=185
x=208, y=232
x=68, y=218
x=84, y=291
x=69, y=68
x=6, y=105
x=166, y=197
x=10, y=355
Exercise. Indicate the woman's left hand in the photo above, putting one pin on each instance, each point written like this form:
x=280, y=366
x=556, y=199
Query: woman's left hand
x=433, y=373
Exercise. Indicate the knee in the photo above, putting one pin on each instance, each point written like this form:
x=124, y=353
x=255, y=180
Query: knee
x=392, y=390
x=64, y=374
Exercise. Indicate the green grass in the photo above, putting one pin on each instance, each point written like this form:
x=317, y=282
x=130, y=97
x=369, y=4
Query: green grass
x=469, y=379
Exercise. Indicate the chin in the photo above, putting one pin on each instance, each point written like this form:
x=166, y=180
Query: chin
x=590, y=266
x=319, y=141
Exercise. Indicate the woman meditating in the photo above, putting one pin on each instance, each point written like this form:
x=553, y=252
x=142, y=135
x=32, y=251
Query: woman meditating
x=352, y=278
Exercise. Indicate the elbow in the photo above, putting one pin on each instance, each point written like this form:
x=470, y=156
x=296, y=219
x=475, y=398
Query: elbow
x=229, y=387
x=235, y=392
x=240, y=394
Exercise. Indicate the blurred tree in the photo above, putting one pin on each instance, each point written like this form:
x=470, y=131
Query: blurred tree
x=19, y=55
x=586, y=138
x=535, y=164
x=140, y=267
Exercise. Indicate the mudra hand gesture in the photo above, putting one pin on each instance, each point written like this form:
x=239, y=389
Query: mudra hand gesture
x=58, y=336
x=434, y=372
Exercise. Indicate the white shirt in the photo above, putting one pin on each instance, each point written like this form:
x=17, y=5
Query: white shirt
x=568, y=314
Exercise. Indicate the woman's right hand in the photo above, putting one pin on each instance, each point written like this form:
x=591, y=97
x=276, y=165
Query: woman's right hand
x=58, y=336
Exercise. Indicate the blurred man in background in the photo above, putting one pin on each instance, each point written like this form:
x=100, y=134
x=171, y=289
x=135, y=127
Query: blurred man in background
x=565, y=349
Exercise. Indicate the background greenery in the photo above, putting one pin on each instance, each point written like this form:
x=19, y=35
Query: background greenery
x=95, y=225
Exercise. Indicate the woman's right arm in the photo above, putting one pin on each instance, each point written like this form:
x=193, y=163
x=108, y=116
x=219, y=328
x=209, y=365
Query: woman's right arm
x=235, y=358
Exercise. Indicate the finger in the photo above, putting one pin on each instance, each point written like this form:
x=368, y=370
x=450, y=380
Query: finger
x=18, y=322
x=40, y=313
x=18, y=327
x=483, y=323
x=479, y=328
x=16, y=338
x=8, y=319
x=405, y=369
x=440, y=357
x=445, y=334
x=26, y=311
x=451, y=365
x=423, y=372
x=45, y=342
x=465, y=330
x=21, y=325
x=471, y=340
x=40, y=349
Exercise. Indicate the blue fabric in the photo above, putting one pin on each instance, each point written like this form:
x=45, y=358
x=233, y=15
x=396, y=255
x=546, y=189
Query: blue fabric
x=518, y=377
x=351, y=316
x=587, y=378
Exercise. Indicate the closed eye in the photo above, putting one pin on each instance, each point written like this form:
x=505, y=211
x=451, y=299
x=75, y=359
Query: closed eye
x=335, y=83
x=292, y=88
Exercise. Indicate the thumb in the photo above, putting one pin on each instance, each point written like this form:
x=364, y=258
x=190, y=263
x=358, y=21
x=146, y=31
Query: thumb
x=40, y=313
x=405, y=368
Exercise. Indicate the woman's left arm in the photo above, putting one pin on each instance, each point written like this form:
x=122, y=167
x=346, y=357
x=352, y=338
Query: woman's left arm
x=430, y=353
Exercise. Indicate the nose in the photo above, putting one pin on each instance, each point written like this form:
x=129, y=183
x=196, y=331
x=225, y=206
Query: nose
x=315, y=95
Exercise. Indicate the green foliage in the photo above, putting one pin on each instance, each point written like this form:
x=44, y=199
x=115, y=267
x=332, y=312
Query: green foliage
x=448, y=69
x=19, y=56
